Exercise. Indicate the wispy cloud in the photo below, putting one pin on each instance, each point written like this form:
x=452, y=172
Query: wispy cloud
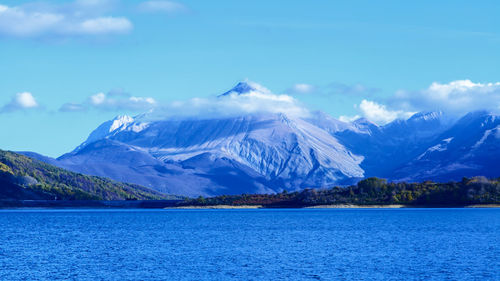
x=111, y=101
x=73, y=107
x=168, y=7
x=332, y=89
x=301, y=88
x=79, y=18
x=21, y=101
x=350, y=89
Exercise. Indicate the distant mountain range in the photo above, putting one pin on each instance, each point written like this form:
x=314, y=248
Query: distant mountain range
x=270, y=152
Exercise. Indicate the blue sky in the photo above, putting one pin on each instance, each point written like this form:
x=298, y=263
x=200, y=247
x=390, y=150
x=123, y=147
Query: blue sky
x=347, y=58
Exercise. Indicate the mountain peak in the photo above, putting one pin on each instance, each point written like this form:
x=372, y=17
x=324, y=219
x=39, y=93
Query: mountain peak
x=362, y=121
x=426, y=115
x=479, y=116
x=242, y=88
x=119, y=121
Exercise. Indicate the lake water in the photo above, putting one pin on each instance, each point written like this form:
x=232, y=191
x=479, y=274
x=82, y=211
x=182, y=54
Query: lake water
x=314, y=244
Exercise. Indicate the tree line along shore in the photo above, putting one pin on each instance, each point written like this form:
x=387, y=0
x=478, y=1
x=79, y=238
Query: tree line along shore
x=371, y=192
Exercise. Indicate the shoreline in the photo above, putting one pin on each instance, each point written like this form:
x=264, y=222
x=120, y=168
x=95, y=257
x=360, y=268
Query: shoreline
x=483, y=206
x=176, y=204
x=333, y=206
x=217, y=207
x=354, y=206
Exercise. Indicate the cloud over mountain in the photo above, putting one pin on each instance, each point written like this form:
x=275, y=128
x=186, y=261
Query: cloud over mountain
x=244, y=98
x=379, y=113
x=456, y=97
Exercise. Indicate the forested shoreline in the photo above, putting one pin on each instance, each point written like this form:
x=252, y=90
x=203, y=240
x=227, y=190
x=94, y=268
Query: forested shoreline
x=371, y=191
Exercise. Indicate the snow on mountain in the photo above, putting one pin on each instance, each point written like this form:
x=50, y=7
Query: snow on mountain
x=365, y=126
x=388, y=147
x=470, y=147
x=442, y=146
x=268, y=151
x=288, y=152
x=107, y=128
x=331, y=125
x=273, y=151
x=245, y=88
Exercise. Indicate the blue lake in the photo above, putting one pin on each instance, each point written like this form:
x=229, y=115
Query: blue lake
x=314, y=244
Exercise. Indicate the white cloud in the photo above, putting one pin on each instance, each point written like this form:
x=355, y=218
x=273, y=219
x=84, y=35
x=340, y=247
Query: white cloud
x=104, y=25
x=97, y=99
x=20, y=101
x=26, y=100
x=455, y=98
x=83, y=17
x=142, y=100
x=111, y=102
x=257, y=100
x=378, y=113
x=168, y=7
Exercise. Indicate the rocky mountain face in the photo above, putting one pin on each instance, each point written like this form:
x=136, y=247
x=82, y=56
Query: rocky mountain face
x=270, y=152
x=470, y=147
x=254, y=153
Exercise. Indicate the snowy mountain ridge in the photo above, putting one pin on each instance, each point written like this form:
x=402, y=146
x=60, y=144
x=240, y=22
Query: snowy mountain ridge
x=269, y=152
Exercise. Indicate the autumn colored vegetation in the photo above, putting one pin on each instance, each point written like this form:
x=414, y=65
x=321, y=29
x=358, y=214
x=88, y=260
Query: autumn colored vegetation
x=373, y=191
x=24, y=178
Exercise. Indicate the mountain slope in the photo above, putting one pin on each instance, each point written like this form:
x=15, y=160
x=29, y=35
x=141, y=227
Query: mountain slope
x=388, y=147
x=268, y=152
x=25, y=178
x=471, y=147
x=257, y=152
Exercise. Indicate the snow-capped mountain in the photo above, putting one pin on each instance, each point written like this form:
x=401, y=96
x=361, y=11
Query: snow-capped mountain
x=470, y=147
x=388, y=147
x=287, y=152
x=263, y=152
